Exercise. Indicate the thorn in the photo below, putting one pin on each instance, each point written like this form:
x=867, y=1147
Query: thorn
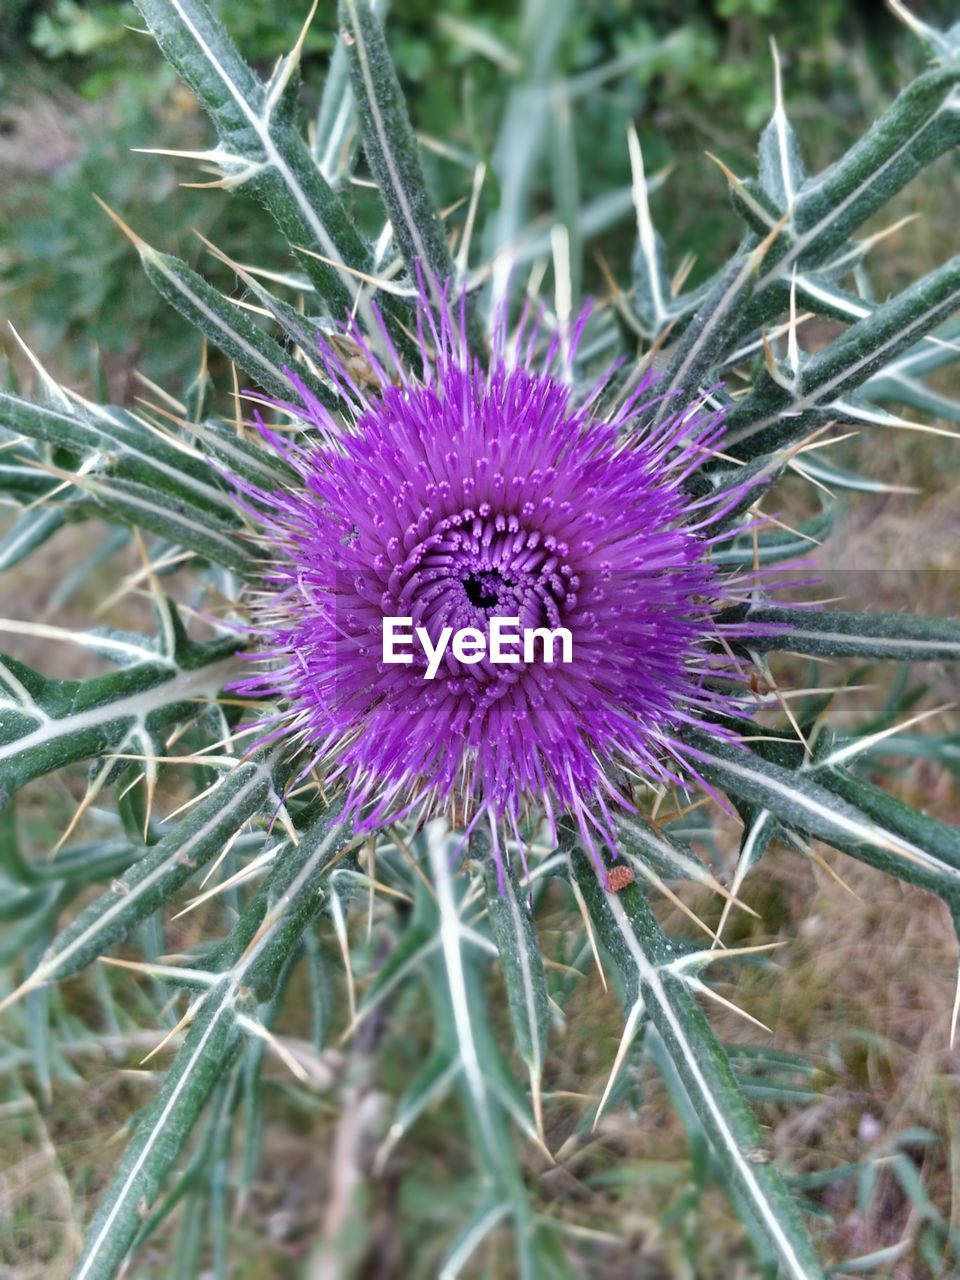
x=744, y=863
x=184, y=1022
x=227, y=762
x=386, y=889
x=47, y=381
x=777, y=78
x=188, y=804
x=645, y=229
x=408, y=853
x=386, y=286
x=167, y=973
x=881, y=418
x=463, y=256
x=771, y=366
x=229, y=181
x=252, y=307
x=46, y=497
x=295, y=53
x=810, y=445
x=687, y=263
x=809, y=851
x=237, y=410
x=697, y=959
x=219, y=859
x=562, y=277
x=536, y=1099
x=929, y=35
x=29, y=984
x=130, y=785
x=92, y=792
x=249, y=872
x=340, y=929
x=749, y=348
x=235, y=267
x=283, y=1053
x=859, y=745
x=626, y=1040
x=283, y=817
x=76, y=478
x=133, y=580
x=731, y=177
x=942, y=342
x=156, y=592
x=699, y=874
x=371, y=851
x=696, y=985
x=868, y=242
x=582, y=906
x=160, y=391
x=764, y=247
x=139, y=244
x=793, y=348
x=215, y=155
x=617, y=299
x=817, y=484
x=797, y=533
x=450, y=209
x=668, y=893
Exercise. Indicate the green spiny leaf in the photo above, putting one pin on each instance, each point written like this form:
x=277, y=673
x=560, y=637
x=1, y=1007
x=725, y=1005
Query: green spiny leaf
x=48, y=723
x=521, y=965
x=157, y=875
x=227, y=326
x=260, y=146
x=30, y=530
x=811, y=806
x=773, y=415
x=628, y=930
x=390, y=147
x=825, y=633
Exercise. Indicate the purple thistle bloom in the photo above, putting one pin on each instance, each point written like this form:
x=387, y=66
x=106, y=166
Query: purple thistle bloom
x=459, y=494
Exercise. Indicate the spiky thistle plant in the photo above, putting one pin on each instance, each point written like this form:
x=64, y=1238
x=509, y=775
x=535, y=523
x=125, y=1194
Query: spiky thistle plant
x=424, y=441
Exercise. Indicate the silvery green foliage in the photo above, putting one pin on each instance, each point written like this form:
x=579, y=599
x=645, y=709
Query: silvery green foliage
x=297, y=869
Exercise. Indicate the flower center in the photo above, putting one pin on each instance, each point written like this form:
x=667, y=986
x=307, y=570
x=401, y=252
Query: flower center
x=483, y=589
x=477, y=564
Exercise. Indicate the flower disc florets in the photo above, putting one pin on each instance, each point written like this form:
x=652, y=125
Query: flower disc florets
x=464, y=493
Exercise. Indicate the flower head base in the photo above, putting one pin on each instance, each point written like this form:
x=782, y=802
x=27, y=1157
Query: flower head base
x=460, y=494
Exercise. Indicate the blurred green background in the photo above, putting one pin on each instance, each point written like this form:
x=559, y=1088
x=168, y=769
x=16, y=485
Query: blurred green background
x=80, y=87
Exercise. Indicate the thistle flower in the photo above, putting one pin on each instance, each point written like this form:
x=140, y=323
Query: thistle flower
x=457, y=494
